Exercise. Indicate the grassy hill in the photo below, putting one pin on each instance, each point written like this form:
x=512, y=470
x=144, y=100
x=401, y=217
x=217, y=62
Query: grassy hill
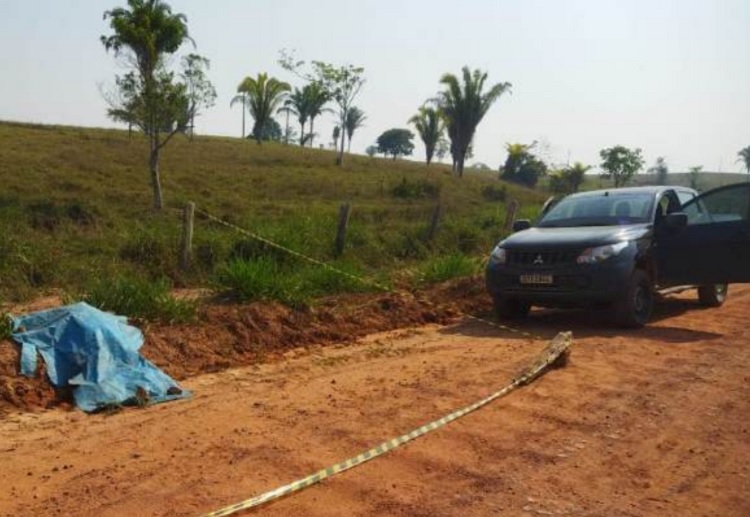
x=75, y=209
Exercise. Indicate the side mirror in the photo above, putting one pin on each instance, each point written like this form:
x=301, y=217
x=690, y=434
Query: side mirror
x=522, y=224
x=676, y=221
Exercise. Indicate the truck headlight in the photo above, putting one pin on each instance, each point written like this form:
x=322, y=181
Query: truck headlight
x=499, y=255
x=601, y=253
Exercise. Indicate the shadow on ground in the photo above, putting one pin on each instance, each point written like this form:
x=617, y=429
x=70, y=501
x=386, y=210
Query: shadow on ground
x=547, y=323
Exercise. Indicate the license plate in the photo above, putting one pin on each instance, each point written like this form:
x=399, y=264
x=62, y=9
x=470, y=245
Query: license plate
x=536, y=279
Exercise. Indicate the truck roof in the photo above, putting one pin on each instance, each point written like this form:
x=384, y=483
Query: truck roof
x=651, y=189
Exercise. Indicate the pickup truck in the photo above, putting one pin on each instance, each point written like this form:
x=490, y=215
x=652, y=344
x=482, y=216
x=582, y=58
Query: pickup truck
x=616, y=248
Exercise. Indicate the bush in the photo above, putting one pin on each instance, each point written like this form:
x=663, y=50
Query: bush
x=445, y=268
x=420, y=189
x=151, y=252
x=253, y=249
x=139, y=299
x=493, y=193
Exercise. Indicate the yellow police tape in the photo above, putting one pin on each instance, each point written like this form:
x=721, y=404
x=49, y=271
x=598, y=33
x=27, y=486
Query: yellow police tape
x=555, y=351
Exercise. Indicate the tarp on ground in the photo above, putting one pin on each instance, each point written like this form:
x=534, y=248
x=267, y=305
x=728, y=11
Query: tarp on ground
x=95, y=352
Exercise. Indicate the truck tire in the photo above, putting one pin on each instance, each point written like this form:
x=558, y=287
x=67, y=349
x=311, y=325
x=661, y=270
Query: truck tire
x=635, y=308
x=511, y=309
x=713, y=295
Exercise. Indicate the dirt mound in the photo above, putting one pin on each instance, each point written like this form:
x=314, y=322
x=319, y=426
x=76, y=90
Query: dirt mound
x=229, y=335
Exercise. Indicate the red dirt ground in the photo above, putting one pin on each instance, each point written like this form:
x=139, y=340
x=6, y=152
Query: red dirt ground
x=647, y=422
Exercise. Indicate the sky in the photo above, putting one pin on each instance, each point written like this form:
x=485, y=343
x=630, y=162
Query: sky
x=671, y=77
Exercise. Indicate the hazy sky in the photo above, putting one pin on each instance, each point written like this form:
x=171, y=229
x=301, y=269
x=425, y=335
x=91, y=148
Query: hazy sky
x=671, y=77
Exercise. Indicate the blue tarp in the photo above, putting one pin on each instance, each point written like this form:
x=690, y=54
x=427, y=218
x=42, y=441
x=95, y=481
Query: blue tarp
x=94, y=351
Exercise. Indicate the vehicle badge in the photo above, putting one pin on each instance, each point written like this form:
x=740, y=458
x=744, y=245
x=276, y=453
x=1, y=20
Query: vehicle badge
x=538, y=261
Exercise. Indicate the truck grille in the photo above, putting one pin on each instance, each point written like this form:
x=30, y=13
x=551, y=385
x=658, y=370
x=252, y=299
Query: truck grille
x=541, y=258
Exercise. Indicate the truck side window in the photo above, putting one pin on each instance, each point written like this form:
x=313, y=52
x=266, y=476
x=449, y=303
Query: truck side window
x=685, y=197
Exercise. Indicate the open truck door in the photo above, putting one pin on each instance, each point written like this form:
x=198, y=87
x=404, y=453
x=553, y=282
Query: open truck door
x=714, y=246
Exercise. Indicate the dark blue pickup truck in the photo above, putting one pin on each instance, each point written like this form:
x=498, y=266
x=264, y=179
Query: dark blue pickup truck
x=616, y=248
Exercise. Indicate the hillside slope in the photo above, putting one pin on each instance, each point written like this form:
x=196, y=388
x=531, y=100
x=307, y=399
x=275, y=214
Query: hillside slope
x=75, y=206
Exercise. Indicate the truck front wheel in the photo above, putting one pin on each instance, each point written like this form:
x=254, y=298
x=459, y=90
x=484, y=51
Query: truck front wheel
x=635, y=308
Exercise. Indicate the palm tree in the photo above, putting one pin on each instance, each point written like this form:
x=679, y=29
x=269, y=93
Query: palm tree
x=744, y=155
x=265, y=94
x=430, y=126
x=241, y=98
x=148, y=31
x=464, y=105
x=298, y=105
x=317, y=97
x=287, y=110
x=355, y=119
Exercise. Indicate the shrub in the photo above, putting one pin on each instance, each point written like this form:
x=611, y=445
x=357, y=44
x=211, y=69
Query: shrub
x=493, y=193
x=252, y=249
x=419, y=189
x=150, y=252
x=139, y=299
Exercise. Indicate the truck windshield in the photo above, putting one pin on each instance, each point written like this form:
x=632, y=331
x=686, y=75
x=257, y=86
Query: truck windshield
x=606, y=209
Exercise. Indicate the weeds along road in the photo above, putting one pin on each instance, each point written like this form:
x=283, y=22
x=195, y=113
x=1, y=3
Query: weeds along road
x=649, y=422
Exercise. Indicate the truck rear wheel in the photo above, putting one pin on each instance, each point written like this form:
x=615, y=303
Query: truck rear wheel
x=713, y=295
x=635, y=308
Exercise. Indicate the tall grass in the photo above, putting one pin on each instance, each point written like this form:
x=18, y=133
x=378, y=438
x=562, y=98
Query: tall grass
x=6, y=326
x=138, y=298
x=264, y=279
x=441, y=269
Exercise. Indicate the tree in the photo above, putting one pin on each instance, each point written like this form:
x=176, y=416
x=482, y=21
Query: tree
x=265, y=94
x=298, y=103
x=441, y=149
x=744, y=155
x=620, y=164
x=396, y=142
x=336, y=135
x=241, y=98
x=464, y=105
x=660, y=170
x=371, y=150
x=145, y=33
x=522, y=166
x=200, y=92
x=355, y=119
x=288, y=131
x=430, y=126
x=568, y=179
x=316, y=99
x=694, y=174
x=342, y=84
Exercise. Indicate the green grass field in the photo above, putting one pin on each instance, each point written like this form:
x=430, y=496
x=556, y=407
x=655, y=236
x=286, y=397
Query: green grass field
x=75, y=211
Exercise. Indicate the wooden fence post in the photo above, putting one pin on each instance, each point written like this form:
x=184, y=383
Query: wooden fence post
x=344, y=211
x=510, y=215
x=188, y=215
x=437, y=214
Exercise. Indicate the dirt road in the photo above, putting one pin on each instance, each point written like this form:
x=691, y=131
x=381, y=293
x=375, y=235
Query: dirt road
x=648, y=422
